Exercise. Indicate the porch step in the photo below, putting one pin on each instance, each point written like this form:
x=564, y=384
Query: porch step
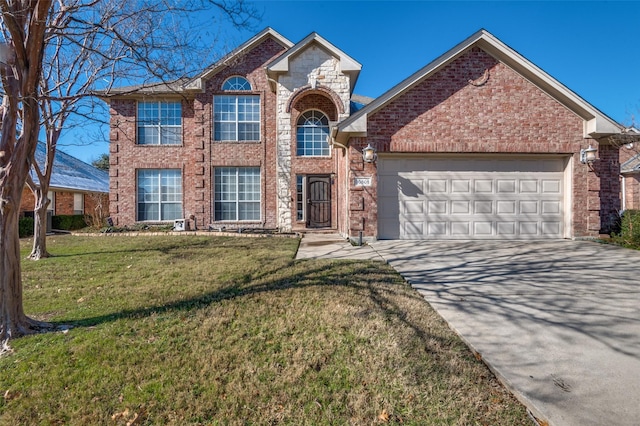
x=319, y=239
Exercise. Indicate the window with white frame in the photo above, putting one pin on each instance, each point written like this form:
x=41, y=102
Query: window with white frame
x=312, y=133
x=159, y=193
x=78, y=203
x=237, y=194
x=159, y=123
x=236, y=117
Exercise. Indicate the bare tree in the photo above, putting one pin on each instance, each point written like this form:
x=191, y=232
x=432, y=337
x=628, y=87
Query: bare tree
x=55, y=55
x=103, y=42
x=23, y=31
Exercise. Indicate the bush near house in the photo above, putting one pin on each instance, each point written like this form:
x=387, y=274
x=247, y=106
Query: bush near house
x=68, y=222
x=25, y=227
x=629, y=229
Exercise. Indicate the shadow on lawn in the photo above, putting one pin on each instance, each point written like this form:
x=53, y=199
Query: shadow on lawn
x=380, y=284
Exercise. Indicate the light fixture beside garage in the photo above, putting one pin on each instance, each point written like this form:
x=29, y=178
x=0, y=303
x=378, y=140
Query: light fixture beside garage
x=369, y=154
x=588, y=155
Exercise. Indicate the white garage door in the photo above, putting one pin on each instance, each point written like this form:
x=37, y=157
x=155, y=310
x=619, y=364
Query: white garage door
x=470, y=198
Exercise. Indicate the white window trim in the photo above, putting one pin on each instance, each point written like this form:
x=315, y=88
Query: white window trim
x=78, y=196
x=159, y=202
x=237, y=122
x=237, y=200
x=158, y=126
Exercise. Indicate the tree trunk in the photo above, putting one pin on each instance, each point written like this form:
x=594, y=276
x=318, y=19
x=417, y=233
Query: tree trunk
x=39, y=249
x=13, y=321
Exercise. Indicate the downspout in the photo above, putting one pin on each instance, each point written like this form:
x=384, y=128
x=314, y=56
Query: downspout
x=345, y=197
x=332, y=139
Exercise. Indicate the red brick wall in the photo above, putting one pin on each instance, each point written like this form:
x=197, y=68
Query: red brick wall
x=503, y=113
x=28, y=202
x=64, y=202
x=631, y=182
x=632, y=191
x=198, y=155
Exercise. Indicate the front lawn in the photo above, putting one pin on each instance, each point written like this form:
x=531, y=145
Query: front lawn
x=188, y=330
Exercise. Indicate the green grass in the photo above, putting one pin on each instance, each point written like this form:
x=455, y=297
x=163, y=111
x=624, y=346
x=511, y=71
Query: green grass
x=190, y=330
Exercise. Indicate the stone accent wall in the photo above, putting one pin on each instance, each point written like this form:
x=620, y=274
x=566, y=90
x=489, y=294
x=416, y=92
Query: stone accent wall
x=476, y=104
x=314, y=81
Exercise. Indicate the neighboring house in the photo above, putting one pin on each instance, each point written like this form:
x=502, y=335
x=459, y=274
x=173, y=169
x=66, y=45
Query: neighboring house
x=75, y=188
x=480, y=143
x=630, y=169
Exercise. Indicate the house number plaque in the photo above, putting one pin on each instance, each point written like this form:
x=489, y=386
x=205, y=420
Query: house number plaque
x=362, y=181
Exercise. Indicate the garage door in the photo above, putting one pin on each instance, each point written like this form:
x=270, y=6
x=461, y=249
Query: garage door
x=470, y=198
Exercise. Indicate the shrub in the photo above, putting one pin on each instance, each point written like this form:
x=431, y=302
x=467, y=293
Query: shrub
x=68, y=222
x=630, y=228
x=25, y=227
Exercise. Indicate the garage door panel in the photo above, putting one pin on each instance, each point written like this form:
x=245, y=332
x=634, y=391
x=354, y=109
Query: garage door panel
x=437, y=207
x=551, y=186
x=474, y=199
x=413, y=207
x=461, y=229
x=506, y=229
x=551, y=207
x=551, y=228
x=460, y=207
x=506, y=207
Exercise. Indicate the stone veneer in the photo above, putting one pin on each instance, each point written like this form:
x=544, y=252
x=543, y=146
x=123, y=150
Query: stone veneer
x=313, y=68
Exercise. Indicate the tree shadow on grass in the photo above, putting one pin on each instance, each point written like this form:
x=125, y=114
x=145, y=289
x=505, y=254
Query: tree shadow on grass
x=371, y=280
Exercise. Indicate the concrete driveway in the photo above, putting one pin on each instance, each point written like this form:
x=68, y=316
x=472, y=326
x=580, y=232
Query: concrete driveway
x=558, y=321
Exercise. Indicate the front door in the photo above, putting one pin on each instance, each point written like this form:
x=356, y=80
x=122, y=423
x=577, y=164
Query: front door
x=319, y=201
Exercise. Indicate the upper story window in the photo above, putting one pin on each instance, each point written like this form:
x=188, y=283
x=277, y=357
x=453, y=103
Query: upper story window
x=236, y=117
x=236, y=83
x=312, y=132
x=159, y=123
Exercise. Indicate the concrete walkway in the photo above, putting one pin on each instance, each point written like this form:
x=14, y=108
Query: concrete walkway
x=558, y=321
x=333, y=246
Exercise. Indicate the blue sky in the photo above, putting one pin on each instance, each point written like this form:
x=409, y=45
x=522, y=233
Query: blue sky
x=593, y=48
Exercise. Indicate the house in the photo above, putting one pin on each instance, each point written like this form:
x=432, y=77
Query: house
x=630, y=168
x=75, y=187
x=480, y=143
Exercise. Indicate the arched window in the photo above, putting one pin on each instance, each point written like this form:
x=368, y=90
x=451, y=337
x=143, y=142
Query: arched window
x=236, y=83
x=313, y=130
x=236, y=117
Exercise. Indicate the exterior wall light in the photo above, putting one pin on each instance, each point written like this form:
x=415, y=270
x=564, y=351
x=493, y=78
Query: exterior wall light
x=369, y=154
x=588, y=155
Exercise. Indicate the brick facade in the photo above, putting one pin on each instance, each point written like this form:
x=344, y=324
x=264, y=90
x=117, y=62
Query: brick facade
x=198, y=155
x=505, y=114
x=472, y=104
x=64, y=202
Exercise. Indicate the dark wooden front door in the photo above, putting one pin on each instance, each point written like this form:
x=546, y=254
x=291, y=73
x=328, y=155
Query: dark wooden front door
x=319, y=201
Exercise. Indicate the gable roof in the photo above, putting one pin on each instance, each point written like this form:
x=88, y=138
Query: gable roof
x=348, y=65
x=197, y=83
x=71, y=174
x=597, y=124
x=630, y=139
